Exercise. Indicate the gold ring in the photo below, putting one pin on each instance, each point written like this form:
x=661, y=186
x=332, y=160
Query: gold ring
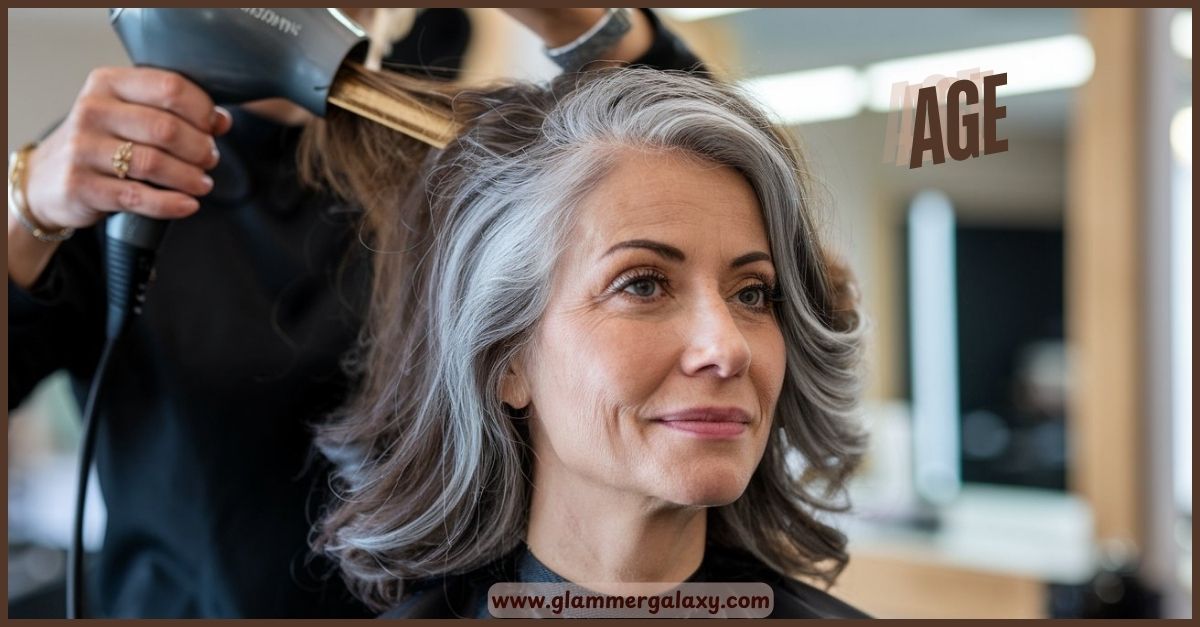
x=121, y=159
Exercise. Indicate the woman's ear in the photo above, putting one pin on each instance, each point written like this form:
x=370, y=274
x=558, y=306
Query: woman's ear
x=514, y=387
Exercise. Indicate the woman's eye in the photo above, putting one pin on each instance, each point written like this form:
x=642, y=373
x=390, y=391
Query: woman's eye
x=754, y=297
x=642, y=288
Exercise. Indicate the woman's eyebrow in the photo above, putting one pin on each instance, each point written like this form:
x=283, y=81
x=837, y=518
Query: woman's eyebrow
x=664, y=250
x=757, y=255
x=674, y=254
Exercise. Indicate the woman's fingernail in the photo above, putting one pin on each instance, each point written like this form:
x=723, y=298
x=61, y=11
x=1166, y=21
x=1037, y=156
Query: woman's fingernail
x=207, y=180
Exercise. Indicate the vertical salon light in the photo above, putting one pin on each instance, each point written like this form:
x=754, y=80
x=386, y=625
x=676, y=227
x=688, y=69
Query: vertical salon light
x=1181, y=300
x=934, y=355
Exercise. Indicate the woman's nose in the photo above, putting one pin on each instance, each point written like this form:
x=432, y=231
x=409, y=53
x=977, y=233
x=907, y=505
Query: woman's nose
x=715, y=343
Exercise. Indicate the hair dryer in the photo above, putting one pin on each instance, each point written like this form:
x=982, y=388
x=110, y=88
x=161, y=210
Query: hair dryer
x=238, y=55
x=235, y=55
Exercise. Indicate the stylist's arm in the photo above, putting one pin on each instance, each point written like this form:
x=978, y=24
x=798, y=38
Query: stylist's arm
x=70, y=180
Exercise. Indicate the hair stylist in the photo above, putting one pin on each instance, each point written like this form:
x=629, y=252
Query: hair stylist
x=204, y=440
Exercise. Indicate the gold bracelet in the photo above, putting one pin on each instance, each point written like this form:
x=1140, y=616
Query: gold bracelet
x=17, y=202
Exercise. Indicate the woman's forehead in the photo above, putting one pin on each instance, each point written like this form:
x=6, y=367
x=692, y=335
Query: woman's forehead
x=668, y=195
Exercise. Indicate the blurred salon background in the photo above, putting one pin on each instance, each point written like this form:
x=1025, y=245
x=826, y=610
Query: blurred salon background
x=1030, y=367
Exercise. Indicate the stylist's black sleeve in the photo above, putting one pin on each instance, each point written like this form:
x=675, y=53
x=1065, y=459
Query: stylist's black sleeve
x=668, y=52
x=58, y=322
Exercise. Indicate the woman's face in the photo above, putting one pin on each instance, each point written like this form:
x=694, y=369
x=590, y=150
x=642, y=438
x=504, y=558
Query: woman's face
x=656, y=368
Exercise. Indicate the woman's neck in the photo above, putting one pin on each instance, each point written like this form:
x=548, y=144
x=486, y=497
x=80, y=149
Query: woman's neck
x=595, y=534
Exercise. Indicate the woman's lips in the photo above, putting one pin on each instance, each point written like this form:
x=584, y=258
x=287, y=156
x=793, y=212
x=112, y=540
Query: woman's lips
x=708, y=422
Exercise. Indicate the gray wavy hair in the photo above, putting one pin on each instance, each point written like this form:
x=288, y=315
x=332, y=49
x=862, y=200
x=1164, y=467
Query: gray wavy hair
x=430, y=472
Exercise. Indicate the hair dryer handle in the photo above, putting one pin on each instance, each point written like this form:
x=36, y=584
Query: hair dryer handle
x=129, y=254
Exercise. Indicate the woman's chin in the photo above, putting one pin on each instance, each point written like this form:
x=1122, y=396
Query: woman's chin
x=720, y=484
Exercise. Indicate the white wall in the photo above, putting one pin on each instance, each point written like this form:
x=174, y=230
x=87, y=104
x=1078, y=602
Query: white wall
x=50, y=52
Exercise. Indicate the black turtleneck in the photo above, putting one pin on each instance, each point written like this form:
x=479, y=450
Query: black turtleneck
x=466, y=595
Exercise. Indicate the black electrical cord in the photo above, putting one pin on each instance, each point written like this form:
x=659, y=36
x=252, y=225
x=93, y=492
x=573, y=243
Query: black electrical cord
x=75, y=587
x=129, y=254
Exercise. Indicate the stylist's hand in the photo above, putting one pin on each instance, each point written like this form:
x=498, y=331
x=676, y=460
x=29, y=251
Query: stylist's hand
x=70, y=179
x=171, y=122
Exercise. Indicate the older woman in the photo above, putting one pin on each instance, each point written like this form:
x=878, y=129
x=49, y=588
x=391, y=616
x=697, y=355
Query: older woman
x=606, y=345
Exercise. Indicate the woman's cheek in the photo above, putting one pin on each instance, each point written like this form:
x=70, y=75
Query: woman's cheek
x=771, y=363
x=632, y=359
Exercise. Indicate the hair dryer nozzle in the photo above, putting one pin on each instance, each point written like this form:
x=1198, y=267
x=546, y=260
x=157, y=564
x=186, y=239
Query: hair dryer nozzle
x=245, y=54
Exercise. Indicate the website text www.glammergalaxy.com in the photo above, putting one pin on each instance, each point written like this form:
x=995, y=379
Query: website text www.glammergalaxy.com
x=646, y=600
